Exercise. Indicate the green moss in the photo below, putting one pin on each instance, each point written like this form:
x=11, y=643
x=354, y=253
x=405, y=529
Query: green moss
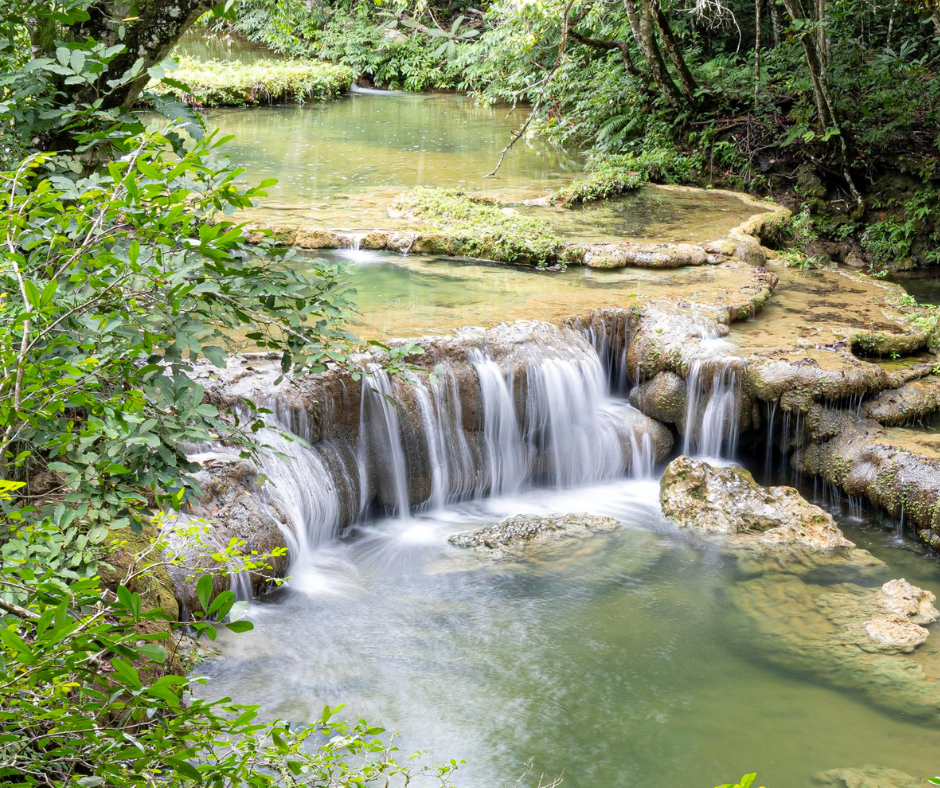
x=482, y=229
x=602, y=184
x=223, y=83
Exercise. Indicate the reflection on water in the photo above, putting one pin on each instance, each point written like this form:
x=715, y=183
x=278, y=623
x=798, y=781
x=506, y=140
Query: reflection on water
x=341, y=162
x=612, y=659
x=923, y=285
x=414, y=295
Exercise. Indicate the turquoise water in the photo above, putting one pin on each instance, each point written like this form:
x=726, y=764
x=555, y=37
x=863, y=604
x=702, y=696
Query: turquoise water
x=615, y=660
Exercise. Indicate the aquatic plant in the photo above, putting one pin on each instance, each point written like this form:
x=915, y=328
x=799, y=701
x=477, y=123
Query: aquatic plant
x=479, y=228
x=223, y=83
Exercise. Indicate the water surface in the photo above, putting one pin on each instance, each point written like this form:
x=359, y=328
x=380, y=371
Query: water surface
x=612, y=659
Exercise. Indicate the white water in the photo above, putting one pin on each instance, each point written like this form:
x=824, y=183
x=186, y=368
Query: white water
x=713, y=406
x=538, y=416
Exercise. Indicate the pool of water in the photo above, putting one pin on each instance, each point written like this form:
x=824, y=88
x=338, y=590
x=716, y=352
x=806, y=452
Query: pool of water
x=413, y=295
x=923, y=285
x=614, y=660
x=339, y=163
x=660, y=213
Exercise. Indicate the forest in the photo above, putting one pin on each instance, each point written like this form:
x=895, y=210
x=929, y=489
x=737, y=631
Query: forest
x=564, y=275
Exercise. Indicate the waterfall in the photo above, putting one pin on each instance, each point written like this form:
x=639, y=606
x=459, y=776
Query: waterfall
x=301, y=484
x=569, y=422
x=712, y=409
x=504, y=458
x=643, y=462
x=490, y=419
x=769, y=456
x=380, y=445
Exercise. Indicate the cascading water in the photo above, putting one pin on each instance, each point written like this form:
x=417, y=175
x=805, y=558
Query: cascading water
x=504, y=458
x=380, y=445
x=713, y=402
x=492, y=421
x=570, y=422
x=300, y=482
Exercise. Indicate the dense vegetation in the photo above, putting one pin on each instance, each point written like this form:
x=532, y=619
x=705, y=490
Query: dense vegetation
x=832, y=106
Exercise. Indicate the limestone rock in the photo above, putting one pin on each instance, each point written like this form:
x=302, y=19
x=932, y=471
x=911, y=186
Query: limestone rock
x=914, y=400
x=661, y=398
x=866, y=777
x=729, y=501
x=915, y=603
x=516, y=532
x=896, y=632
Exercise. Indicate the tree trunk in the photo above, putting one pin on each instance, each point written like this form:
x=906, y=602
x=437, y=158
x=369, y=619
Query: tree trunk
x=644, y=31
x=686, y=80
x=153, y=31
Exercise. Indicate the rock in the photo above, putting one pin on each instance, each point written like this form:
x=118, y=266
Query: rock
x=729, y=501
x=661, y=398
x=313, y=238
x=915, y=603
x=866, y=777
x=233, y=506
x=895, y=632
x=902, y=405
x=523, y=529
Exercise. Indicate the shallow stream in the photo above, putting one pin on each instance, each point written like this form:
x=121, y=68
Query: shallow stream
x=615, y=659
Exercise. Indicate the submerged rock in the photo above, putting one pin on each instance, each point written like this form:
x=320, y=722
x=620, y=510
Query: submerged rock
x=727, y=500
x=516, y=532
x=866, y=777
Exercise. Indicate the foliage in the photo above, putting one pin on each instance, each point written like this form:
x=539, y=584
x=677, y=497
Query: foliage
x=613, y=175
x=482, y=229
x=911, y=230
x=87, y=699
x=114, y=286
x=388, y=47
x=217, y=83
x=745, y=782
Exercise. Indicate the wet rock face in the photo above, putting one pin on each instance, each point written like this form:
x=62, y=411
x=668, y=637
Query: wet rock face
x=516, y=532
x=728, y=501
x=661, y=398
x=902, y=405
x=235, y=506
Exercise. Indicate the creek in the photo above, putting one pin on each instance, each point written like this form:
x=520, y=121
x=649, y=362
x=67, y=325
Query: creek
x=612, y=659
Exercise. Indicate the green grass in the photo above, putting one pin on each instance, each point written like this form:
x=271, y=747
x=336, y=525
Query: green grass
x=223, y=83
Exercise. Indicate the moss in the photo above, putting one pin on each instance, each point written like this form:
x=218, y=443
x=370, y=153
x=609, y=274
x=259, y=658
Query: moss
x=481, y=229
x=601, y=184
x=223, y=83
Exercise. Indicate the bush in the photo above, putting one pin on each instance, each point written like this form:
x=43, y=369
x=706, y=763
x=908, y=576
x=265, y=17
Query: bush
x=225, y=83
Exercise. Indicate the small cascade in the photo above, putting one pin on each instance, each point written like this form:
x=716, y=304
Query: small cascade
x=769, y=449
x=713, y=403
x=569, y=423
x=301, y=484
x=380, y=444
x=351, y=241
x=504, y=458
x=643, y=461
x=610, y=339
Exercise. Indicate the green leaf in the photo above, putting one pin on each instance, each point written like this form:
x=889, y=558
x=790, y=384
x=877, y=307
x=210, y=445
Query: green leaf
x=204, y=591
x=153, y=652
x=240, y=626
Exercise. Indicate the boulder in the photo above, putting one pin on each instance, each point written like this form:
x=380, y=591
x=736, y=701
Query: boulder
x=516, y=532
x=661, y=398
x=725, y=500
